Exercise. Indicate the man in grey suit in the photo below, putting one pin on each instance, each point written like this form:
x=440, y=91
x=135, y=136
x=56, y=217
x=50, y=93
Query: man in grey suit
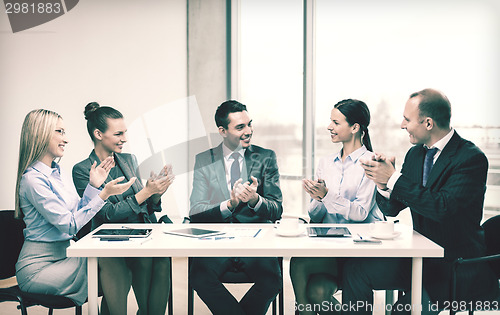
x=443, y=181
x=236, y=182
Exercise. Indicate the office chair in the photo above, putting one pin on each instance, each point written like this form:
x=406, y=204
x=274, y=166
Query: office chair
x=492, y=236
x=11, y=234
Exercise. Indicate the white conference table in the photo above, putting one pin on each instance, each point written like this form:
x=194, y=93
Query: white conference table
x=267, y=243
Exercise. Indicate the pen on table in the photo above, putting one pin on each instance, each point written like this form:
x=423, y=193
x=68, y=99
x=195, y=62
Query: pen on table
x=146, y=240
x=257, y=233
x=396, y=221
x=127, y=227
x=360, y=237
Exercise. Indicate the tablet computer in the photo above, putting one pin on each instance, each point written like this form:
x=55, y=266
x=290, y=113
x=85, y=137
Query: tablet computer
x=194, y=232
x=122, y=233
x=328, y=231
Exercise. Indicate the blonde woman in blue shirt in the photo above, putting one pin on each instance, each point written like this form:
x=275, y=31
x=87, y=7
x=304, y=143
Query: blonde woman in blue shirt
x=341, y=193
x=53, y=213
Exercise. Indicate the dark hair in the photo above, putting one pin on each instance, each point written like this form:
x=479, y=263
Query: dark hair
x=435, y=105
x=97, y=116
x=224, y=109
x=356, y=112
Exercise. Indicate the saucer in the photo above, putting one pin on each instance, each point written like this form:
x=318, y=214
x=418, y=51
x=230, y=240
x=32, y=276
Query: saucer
x=387, y=236
x=290, y=233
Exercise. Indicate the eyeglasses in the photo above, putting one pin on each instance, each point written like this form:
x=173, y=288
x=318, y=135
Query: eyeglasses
x=61, y=132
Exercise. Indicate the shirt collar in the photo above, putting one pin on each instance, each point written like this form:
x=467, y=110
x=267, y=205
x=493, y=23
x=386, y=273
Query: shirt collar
x=443, y=141
x=45, y=169
x=354, y=156
x=226, y=152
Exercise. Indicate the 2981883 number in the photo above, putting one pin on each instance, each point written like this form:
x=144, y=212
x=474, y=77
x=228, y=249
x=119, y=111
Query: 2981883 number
x=461, y=306
x=40, y=8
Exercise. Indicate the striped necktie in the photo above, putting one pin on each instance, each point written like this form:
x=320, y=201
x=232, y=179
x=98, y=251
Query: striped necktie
x=428, y=162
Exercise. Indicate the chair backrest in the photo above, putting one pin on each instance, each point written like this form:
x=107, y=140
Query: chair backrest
x=12, y=239
x=492, y=236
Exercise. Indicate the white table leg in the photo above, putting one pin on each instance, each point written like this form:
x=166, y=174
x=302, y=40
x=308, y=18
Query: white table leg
x=416, y=285
x=92, y=282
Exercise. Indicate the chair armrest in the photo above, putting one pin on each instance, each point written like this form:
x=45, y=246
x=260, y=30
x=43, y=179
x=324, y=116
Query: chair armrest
x=467, y=261
x=164, y=219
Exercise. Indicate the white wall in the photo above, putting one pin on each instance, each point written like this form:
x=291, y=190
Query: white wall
x=124, y=53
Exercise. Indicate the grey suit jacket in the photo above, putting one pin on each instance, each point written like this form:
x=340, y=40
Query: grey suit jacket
x=119, y=208
x=210, y=188
x=448, y=210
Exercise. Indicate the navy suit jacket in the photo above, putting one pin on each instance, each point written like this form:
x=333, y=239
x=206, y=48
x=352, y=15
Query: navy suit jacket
x=448, y=210
x=118, y=208
x=210, y=187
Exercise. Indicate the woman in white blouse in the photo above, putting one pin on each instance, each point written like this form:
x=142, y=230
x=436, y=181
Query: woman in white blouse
x=341, y=193
x=53, y=213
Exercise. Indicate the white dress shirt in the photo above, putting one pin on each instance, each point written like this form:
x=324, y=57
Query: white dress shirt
x=228, y=161
x=351, y=195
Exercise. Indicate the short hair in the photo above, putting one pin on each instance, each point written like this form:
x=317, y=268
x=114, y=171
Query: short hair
x=97, y=117
x=223, y=111
x=434, y=104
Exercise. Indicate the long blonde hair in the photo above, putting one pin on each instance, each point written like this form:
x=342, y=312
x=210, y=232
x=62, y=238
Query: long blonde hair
x=37, y=131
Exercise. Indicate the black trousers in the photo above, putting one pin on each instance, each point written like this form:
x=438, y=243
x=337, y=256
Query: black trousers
x=362, y=275
x=265, y=273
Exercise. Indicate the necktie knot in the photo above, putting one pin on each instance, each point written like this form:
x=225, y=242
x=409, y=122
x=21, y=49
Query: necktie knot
x=431, y=152
x=428, y=163
x=235, y=156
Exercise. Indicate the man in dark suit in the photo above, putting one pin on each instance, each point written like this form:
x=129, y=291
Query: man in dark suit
x=236, y=182
x=442, y=181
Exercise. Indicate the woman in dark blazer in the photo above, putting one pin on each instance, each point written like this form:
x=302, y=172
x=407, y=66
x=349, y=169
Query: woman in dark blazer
x=150, y=277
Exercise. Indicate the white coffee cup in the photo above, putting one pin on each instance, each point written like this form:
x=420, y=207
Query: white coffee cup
x=382, y=228
x=287, y=224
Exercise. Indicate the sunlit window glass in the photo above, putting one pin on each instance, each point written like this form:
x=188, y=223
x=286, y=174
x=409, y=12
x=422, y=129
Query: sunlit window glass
x=271, y=85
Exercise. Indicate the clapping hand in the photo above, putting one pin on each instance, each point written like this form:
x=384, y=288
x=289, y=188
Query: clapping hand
x=248, y=192
x=166, y=174
x=315, y=188
x=98, y=174
x=157, y=185
x=113, y=188
x=379, y=169
x=235, y=200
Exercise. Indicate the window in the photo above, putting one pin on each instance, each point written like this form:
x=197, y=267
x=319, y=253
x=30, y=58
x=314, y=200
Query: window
x=378, y=52
x=271, y=86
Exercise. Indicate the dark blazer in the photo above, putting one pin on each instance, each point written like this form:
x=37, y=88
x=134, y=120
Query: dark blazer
x=118, y=208
x=210, y=187
x=448, y=210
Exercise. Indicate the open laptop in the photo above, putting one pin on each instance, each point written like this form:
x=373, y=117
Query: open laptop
x=337, y=231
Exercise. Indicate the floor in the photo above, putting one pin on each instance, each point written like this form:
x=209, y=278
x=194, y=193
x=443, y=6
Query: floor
x=180, y=296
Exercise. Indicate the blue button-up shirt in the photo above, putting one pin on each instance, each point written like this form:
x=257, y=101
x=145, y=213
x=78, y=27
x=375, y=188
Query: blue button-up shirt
x=51, y=207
